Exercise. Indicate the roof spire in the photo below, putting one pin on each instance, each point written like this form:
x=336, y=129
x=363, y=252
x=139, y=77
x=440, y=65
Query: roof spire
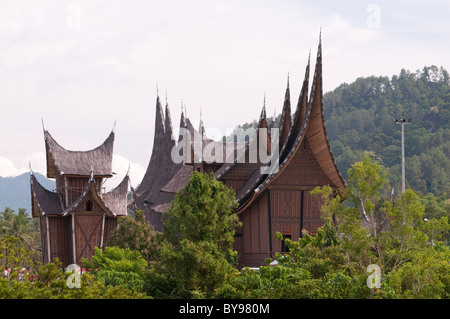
x=201, y=128
x=168, y=122
x=288, y=80
x=263, y=111
x=319, y=51
x=308, y=65
x=157, y=89
x=285, y=118
x=43, y=125
x=287, y=94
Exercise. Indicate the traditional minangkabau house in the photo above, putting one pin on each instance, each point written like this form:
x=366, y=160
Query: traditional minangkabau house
x=78, y=215
x=278, y=201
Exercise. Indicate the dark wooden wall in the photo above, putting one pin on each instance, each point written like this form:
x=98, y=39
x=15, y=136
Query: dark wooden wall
x=286, y=206
x=58, y=232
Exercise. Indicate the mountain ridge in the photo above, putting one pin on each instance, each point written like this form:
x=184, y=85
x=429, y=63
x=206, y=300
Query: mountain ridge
x=15, y=192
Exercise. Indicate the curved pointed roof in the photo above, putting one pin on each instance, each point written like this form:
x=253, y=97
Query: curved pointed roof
x=116, y=199
x=285, y=119
x=161, y=168
x=312, y=127
x=43, y=201
x=61, y=161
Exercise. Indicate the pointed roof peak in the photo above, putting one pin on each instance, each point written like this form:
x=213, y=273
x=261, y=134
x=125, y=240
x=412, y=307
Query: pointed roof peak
x=201, y=128
x=287, y=94
x=263, y=111
x=114, y=127
x=308, y=66
x=43, y=125
x=319, y=50
x=168, y=122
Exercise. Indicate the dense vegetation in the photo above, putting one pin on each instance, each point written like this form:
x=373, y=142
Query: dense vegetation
x=398, y=237
x=360, y=117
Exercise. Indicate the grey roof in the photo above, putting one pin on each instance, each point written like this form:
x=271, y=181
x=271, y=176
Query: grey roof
x=160, y=170
x=43, y=201
x=152, y=217
x=61, y=161
x=116, y=199
x=179, y=181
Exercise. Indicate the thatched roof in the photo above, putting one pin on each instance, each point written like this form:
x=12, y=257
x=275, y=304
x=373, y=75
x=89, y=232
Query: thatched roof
x=160, y=170
x=43, y=201
x=116, y=199
x=61, y=161
x=179, y=181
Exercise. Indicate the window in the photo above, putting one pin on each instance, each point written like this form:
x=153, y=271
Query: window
x=284, y=247
x=89, y=206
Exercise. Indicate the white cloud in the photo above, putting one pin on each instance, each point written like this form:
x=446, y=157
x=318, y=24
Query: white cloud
x=36, y=160
x=120, y=167
x=7, y=167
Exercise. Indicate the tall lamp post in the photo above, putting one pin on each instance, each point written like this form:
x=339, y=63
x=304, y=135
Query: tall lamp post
x=403, y=122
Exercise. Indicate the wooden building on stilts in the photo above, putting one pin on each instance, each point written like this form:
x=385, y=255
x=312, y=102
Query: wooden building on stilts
x=79, y=215
x=277, y=201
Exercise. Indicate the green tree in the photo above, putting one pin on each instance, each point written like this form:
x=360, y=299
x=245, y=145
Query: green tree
x=23, y=227
x=115, y=266
x=136, y=234
x=379, y=230
x=24, y=279
x=196, y=253
x=14, y=254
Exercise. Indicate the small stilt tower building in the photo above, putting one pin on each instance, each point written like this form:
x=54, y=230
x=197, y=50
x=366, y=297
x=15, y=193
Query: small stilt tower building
x=78, y=215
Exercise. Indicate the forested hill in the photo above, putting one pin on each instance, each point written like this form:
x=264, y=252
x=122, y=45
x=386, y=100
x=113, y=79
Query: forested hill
x=360, y=117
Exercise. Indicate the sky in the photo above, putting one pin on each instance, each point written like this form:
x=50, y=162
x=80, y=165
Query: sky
x=83, y=67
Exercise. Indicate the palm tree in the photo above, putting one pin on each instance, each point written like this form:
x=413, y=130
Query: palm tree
x=6, y=221
x=23, y=227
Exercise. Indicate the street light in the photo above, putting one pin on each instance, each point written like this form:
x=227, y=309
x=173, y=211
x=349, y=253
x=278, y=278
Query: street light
x=403, y=122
